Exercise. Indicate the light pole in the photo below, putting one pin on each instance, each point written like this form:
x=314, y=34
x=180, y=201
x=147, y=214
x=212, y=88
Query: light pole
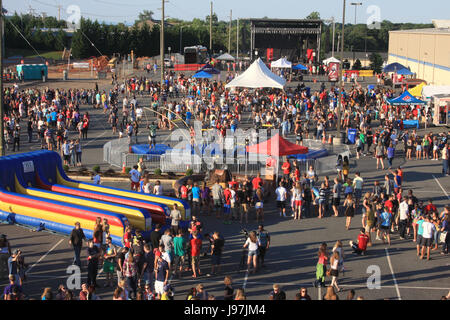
x=162, y=47
x=341, y=86
x=181, y=40
x=356, y=4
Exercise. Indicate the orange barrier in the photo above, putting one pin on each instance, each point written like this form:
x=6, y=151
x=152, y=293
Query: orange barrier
x=187, y=67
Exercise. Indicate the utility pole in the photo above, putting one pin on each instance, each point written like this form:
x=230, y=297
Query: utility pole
x=237, y=40
x=229, y=33
x=341, y=86
x=334, y=31
x=162, y=46
x=2, y=136
x=210, y=29
x=59, y=12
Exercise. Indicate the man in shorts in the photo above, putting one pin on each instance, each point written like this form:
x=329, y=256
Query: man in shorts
x=427, y=236
x=196, y=247
x=179, y=250
x=337, y=188
x=360, y=246
x=217, y=193
x=216, y=252
x=385, y=225
x=281, y=199
x=420, y=221
x=161, y=274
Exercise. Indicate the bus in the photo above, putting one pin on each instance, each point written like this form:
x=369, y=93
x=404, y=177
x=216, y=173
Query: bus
x=196, y=55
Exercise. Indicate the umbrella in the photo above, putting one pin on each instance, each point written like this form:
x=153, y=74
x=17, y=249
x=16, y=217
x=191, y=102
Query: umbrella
x=202, y=75
x=299, y=67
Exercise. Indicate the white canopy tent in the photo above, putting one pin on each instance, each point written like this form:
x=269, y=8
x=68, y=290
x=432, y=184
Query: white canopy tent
x=257, y=76
x=429, y=91
x=331, y=59
x=225, y=57
x=281, y=63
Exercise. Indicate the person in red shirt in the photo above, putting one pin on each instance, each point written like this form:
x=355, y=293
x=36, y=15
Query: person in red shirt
x=196, y=246
x=256, y=182
x=360, y=246
x=430, y=207
x=184, y=192
x=227, y=205
x=389, y=204
x=286, y=168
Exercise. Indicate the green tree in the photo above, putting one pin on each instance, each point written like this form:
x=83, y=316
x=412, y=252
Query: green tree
x=145, y=15
x=357, y=65
x=376, y=62
x=313, y=16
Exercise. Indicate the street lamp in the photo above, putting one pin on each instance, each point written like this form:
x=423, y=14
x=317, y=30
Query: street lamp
x=341, y=86
x=356, y=4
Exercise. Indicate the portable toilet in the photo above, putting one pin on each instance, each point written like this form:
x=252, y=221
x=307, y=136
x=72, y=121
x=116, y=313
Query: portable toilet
x=32, y=71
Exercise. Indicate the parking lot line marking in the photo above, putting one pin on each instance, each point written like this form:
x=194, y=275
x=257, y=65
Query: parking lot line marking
x=245, y=280
x=393, y=275
x=445, y=192
x=43, y=257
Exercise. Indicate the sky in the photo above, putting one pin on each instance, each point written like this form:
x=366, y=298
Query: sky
x=113, y=11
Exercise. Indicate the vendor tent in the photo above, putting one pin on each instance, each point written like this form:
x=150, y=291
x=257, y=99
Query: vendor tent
x=429, y=91
x=257, y=76
x=277, y=146
x=281, y=63
x=394, y=67
x=225, y=57
x=417, y=90
x=405, y=72
x=202, y=75
x=330, y=60
x=299, y=67
x=209, y=69
x=405, y=99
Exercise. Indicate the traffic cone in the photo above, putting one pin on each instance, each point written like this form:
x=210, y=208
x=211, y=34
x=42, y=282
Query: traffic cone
x=123, y=167
x=330, y=139
x=324, y=140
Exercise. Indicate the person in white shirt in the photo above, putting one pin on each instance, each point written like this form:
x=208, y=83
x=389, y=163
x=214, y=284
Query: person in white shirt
x=135, y=177
x=427, y=236
x=403, y=217
x=253, y=244
x=175, y=215
x=358, y=184
x=281, y=199
x=157, y=189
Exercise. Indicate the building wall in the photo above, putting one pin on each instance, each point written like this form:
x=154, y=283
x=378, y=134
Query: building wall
x=427, y=54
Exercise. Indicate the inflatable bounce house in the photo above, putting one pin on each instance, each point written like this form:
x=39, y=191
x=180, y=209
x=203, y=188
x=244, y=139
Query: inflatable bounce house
x=35, y=191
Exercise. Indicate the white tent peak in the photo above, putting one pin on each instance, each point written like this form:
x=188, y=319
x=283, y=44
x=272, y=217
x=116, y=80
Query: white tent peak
x=281, y=63
x=331, y=59
x=225, y=57
x=257, y=76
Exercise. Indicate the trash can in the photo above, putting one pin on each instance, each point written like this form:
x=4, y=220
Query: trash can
x=65, y=75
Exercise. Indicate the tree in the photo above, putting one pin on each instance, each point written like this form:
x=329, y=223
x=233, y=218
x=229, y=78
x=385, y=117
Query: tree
x=145, y=15
x=376, y=62
x=357, y=65
x=313, y=16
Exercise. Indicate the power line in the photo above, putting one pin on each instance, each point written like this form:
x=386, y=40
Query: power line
x=17, y=29
x=90, y=41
